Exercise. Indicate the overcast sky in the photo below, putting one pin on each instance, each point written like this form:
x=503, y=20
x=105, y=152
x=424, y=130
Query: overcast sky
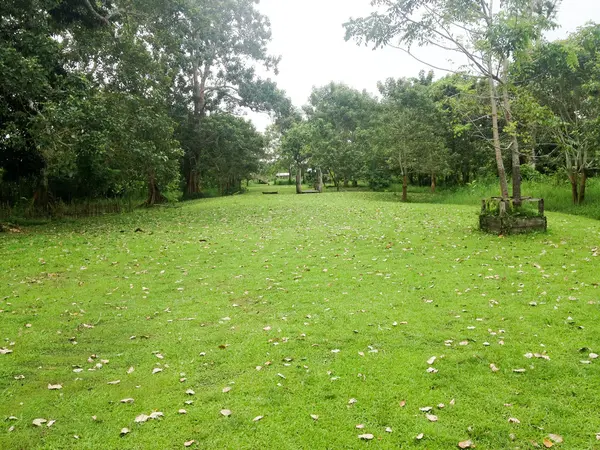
x=309, y=36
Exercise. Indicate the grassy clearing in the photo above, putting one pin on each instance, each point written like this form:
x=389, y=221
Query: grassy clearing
x=220, y=287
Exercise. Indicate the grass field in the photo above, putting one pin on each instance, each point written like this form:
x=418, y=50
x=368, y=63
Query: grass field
x=290, y=306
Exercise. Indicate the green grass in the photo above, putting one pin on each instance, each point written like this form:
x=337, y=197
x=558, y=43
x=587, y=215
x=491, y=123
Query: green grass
x=555, y=192
x=324, y=272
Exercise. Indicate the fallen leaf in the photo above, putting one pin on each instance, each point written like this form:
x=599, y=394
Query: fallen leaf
x=388, y=430
x=156, y=415
x=425, y=409
x=127, y=400
x=141, y=418
x=5, y=351
x=431, y=417
x=182, y=411
x=494, y=368
x=257, y=418
x=50, y=423
x=513, y=420
x=39, y=422
x=189, y=443
x=402, y=403
x=366, y=437
x=130, y=370
x=519, y=370
x=419, y=436
x=431, y=360
x=114, y=382
x=556, y=438
x=124, y=431
x=314, y=417
x=466, y=444
x=225, y=412
x=54, y=387
x=352, y=401
x=548, y=443
x=360, y=426
x=156, y=370
x=226, y=389
x=190, y=392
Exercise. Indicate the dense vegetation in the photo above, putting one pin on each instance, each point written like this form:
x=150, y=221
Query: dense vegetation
x=104, y=98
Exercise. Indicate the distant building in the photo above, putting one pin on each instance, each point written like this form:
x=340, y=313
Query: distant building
x=282, y=175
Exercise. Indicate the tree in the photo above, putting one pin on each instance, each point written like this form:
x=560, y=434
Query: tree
x=295, y=145
x=411, y=131
x=487, y=36
x=337, y=114
x=563, y=78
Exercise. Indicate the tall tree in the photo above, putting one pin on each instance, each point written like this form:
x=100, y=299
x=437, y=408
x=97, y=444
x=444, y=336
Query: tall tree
x=485, y=34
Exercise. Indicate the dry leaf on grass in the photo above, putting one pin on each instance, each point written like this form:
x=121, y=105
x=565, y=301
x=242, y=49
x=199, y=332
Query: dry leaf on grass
x=39, y=422
x=5, y=351
x=257, y=418
x=314, y=417
x=513, y=420
x=226, y=389
x=54, y=387
x=556, y=438
x=547, y=443
x=366, y=437
x=431, y=417
x=466, y=444
x=127, y=400
x=124, y=431
x=225, y=412
x=189, y=443
x=419, y=436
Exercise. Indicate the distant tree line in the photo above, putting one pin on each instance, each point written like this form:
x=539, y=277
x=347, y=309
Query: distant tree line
x=522, y=102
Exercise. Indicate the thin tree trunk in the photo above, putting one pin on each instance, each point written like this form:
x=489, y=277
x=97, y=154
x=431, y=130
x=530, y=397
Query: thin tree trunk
x=405, y=188
x=290, y=176
x=346, y=183
x=516, y=160
x=582, y=185
x=319, y=180
x=433, y=183
x=354, y=183
x=497, y=147
x=299, y=180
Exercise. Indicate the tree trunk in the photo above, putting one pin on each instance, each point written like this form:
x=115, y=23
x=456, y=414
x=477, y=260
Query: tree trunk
x=574, y=187
x=290, y=176
x=497, y=147
x=336, y=182
x=299, y=180
x=346, y=183
x=433, y=183
x=193, y=182
x=319, y=180
x=582, y=183
x=516, y=159
x=154, y=194
x=405, y=188
x=354, y=183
